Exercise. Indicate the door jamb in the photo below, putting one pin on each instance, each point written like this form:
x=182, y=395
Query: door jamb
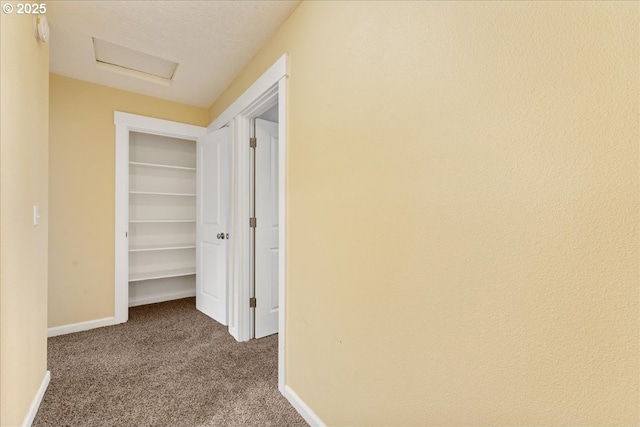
x=126, y=123
x=266, y=91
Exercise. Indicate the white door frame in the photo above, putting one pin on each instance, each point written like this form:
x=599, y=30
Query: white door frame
x=125, y=123
x=269, y=89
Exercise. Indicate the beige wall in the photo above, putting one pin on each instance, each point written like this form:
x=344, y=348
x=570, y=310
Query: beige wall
x=24, y=116
x=81, y=183
x=462, y=211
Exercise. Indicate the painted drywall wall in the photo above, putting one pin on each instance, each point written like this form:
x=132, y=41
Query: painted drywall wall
x=24, y=115
x=81, y=191
x=462, y=211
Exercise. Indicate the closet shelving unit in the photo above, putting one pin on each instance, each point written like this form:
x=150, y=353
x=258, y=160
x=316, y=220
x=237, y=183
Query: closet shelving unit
x=162, y=210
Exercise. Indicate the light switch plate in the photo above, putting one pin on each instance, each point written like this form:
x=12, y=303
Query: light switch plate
x=36, y=214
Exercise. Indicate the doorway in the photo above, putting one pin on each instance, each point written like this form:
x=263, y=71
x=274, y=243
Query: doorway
x=266, y=93
x=265, y=250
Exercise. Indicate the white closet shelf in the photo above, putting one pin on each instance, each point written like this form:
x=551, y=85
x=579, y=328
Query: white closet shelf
x=137, y=277
x=138, y=221
x=153, y=193
x=165, y=247
x=156, y=165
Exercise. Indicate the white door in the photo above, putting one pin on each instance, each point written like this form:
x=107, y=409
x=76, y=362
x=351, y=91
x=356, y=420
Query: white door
x=266, y=262
x=213, y=206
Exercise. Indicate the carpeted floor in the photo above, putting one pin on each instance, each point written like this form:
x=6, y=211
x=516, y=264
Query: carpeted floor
x=169, y=365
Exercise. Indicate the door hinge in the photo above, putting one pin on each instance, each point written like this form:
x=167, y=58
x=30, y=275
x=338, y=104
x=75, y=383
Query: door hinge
x=253, y=142
x=252, y=222
x=252, y=302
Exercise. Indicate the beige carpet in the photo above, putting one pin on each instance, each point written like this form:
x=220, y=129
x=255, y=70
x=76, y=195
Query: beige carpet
x=169, y=365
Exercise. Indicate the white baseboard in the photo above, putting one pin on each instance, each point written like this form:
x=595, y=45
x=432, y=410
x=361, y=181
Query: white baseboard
x=302, y=408
x=79, y=327
x=161, y=298
x=37, y=399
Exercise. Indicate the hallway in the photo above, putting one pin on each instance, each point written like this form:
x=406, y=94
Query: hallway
x=169, y=365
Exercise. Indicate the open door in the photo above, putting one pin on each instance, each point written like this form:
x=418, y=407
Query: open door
x=213, y=206
x=267, y=227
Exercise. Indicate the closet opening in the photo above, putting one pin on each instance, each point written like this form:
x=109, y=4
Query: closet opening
x=162, y=209
x=155, y=201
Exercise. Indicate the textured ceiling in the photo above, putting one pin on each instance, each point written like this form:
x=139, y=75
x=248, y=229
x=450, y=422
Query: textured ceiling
x=210, y=40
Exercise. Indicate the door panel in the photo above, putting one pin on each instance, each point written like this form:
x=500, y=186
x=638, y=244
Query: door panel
x=266, y=237
x=211, y=251
x=211, y=178
x=212, y=219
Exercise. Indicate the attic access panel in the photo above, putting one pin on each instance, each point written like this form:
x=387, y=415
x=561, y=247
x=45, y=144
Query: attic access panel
x=113, y=57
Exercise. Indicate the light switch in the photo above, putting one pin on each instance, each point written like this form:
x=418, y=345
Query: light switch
x=36, y=214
